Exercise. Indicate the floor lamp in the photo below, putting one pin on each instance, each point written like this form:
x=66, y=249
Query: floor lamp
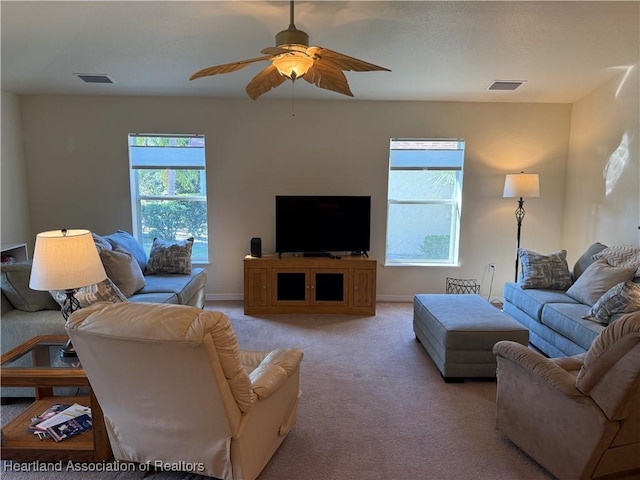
x=66, y=260
x=521, y=185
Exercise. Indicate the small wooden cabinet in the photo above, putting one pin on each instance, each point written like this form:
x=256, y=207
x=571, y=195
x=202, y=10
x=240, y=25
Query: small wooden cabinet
x=294, y=284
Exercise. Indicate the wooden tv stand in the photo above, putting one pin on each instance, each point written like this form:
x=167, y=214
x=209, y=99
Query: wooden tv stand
x=296, y=284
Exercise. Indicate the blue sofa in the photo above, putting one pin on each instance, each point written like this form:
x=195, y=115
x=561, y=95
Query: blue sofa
x=553, y=317
x=27, y=313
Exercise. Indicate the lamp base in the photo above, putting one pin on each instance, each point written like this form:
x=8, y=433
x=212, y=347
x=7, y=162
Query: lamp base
x=68, y=350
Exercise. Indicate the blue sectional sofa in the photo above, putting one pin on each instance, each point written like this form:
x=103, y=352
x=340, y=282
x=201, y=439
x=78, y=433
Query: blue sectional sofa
x=554, y=317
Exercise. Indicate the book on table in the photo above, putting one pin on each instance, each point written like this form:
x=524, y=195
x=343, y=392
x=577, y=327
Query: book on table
x=59, y=414
x=70, y=428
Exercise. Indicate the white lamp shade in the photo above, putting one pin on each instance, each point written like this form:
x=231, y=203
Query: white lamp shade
x=521, y=185
x=64, y=260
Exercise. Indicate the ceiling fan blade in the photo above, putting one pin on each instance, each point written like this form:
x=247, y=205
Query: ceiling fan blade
x=341, y=61
x=264, y=81
x=328, y=77
x=227, y=67
x=274, y=51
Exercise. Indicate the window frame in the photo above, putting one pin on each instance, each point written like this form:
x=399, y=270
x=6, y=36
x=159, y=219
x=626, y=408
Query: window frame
x=137, y=199
x=456, y=166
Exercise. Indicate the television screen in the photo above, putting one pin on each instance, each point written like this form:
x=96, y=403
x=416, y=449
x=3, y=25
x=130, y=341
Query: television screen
x=317, y=224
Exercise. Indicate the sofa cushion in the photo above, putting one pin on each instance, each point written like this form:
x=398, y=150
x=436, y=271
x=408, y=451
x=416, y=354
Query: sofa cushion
x=621, y=298
x=586, y=259
x=123, y=269
x=126, y=241
x=184, y=286
x=544, y=271
x=105, y=291
x=597, y=279
x=621, y=256
x=566, y=319
x=531, y=301
x=159, y=297
x=15, y=286
x=170, y=257
x=101, y=243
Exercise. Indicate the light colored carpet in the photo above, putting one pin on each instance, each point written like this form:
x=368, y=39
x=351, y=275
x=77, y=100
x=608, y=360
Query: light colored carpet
x=373, y=406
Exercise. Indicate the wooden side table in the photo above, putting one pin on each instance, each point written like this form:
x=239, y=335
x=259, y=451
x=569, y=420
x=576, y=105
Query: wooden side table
x=36, y=363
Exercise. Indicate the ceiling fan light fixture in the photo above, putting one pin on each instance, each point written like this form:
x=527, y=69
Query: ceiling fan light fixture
x=292, y=36
x=292, y=65
x=292, y=58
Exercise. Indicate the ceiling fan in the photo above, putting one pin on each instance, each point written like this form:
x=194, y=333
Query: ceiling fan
x=293, y=58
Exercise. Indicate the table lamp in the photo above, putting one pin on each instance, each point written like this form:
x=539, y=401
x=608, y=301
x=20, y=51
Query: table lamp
x=66, y=260
x=521, y=185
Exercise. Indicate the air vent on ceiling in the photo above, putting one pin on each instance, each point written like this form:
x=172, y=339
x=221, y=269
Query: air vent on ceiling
x=505, y=84
x=94, y=77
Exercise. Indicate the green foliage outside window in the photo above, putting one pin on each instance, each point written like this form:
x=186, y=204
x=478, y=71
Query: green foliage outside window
x=435, y=247
x=173, y=219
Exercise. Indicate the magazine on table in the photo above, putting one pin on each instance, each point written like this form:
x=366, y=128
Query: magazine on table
x=55, y=415
x=70, y=428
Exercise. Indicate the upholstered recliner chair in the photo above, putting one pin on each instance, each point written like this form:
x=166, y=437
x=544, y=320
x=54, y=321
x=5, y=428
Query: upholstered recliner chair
x=578, y=417
x=176, y=390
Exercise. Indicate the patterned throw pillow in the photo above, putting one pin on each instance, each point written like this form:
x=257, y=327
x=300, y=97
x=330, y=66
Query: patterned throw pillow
x=597, y=280
x=544, y=271
x=622, y=298
x=170, y=257
x=105, y=291
x=621, y=256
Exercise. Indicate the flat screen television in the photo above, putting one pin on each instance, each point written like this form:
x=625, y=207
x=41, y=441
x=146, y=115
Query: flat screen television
x=317, y=224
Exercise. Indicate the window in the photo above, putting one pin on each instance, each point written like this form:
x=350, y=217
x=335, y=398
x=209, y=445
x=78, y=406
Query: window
x=169, y=190
x=424, y=201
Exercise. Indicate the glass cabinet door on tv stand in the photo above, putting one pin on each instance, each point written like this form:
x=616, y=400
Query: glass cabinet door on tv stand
x=311, y=285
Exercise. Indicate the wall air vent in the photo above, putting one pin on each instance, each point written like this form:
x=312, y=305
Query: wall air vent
x=94, y=77
x=505, y=84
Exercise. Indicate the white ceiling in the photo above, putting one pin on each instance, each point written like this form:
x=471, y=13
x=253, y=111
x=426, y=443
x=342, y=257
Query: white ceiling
x=447, y=50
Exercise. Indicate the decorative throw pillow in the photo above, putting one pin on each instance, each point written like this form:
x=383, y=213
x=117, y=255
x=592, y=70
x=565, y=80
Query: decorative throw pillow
x=621, y=298
x=586, y=259
x=170, y=257
x=123, y=270
x=621, y=256
x=597, y=279
x=544, y=271
x=104, y=291
x=127, y=242
x=101, y=243
x=15, y=286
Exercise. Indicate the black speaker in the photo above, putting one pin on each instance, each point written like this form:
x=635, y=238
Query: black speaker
x=256, y=247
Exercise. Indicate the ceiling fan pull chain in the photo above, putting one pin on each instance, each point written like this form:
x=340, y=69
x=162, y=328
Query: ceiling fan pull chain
x=293, y=99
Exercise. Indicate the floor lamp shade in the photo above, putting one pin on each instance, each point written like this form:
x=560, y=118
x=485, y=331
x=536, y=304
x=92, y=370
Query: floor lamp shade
x=521, y=185
x=64, y=260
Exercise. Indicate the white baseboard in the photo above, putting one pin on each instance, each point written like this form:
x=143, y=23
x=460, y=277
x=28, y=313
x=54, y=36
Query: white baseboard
x=394, y=298
x=223, y=296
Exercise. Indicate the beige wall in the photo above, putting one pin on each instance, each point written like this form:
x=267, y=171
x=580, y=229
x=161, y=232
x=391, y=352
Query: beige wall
x=603, y=186
x=76, y=150
x=15, y=226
